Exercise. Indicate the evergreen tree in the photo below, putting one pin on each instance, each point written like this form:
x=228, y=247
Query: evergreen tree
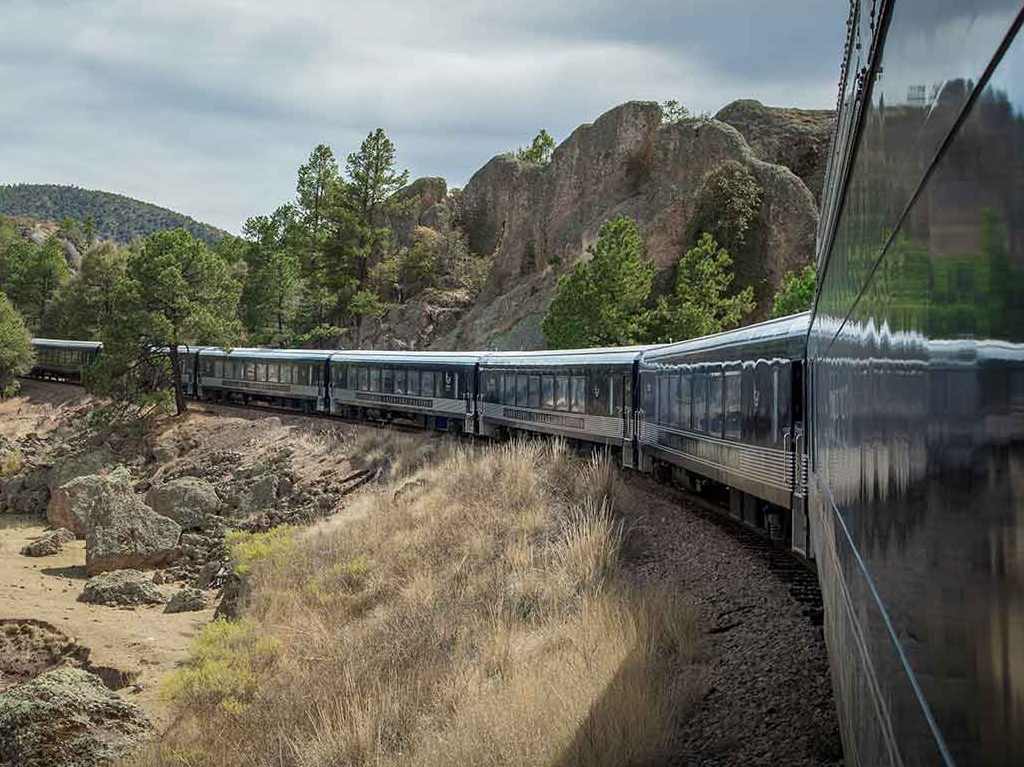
x=601, y=302
x=16, y=355
x=175, y=292
x=701, y=302
x=796, y=292
x=84, y=305
x=36, y=275
x=272, y=282
x=540, y=149
x=315, y=190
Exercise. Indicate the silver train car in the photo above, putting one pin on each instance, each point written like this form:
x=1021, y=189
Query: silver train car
x=58, y=360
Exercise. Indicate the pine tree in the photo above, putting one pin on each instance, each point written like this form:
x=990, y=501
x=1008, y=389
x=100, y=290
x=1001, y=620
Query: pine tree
x=796, y=292
x=16, y=354
x=601, y=302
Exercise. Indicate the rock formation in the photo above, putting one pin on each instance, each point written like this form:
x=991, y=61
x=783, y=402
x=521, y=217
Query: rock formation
x=187, y=500
x=67, y=717
x=537, y=221
x=121, y=588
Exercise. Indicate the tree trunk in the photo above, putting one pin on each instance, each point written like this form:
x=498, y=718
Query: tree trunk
x=180, y=405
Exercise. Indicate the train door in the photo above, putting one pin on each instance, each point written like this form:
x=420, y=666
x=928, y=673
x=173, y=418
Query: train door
x=796, y=444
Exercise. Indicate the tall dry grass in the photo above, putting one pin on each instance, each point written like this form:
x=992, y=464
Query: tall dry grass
x=484, y=617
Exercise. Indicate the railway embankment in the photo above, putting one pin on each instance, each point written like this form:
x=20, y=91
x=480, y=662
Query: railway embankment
x=384, y=597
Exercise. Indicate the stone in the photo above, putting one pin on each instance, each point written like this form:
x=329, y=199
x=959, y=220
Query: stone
x=66, y=717
x=49, y=543
x=121, y=588
x=263, y=492
x=186, y=500
x=185, y=601
x=73, y=503
x=234, y=596
x=125, y=533
x=80, y=465
x=210, y=574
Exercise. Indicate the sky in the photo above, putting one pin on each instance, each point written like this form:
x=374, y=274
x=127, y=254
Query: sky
x=208, y=107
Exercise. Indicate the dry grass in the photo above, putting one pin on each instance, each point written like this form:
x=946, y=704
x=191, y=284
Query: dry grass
x=483, y=617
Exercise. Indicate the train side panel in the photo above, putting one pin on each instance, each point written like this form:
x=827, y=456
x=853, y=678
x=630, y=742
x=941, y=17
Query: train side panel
x=917, y=387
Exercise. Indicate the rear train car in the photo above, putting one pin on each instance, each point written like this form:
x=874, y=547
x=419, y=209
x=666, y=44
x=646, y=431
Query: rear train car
x=58, y=360
x=728, y=408
x=916, y=491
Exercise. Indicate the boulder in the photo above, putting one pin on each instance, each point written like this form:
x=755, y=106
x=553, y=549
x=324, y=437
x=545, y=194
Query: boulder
x=49, y=543
x=188, y=501
x=67, y=718
x=26, y=493
x=79, y=465
x=123, y=532
x=121, y=588
x=185, y=601
x=263, y=493
x=72, y=504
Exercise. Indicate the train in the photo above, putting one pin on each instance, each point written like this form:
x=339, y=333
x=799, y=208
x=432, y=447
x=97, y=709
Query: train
x=718, y=409
x=880, y=435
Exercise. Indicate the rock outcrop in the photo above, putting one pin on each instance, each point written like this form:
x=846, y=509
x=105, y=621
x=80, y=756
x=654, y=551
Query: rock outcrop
x=795, y=138
x=49, y=543
x=121, y=588
x=67, y=718
x=123, y=532
x=189, y=501
x=75, y=502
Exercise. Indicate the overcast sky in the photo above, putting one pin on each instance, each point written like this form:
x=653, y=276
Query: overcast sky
x=209, y=106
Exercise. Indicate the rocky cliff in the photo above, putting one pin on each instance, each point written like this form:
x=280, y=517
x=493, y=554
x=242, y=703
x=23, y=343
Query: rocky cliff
x=537, y=221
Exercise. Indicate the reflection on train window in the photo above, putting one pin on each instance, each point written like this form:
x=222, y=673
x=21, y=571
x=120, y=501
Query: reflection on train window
x=579, y=394
x=286, y=373
x=364, y=379
x=561, y=393
x=399, y=381
x=521, y=390
x=715, y=404
x=387, y=380
x=534, y=396
x=412, y=382
x=250, y=371
x=685, y=402
x=700, y=402
x=733, y=412
x=273, y=374
x=663, y=409
x=674, y=401
x=261, y=371
x=427, y=383
x=374, y=379
x=547, y=388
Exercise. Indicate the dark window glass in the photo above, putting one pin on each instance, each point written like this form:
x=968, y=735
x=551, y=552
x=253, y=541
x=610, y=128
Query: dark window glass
x=317, y=372
x=400, y=381
x=733, y=411
x=447, y=387
x=412, y=382
x=579, y=394
x=286, y=373
x=490, y=384
x=534, y=398
x=364, y=379
x=562, y=393
x=387, y=381
x=522, y=390
x=250, y=371
x=374, y=379
x=674, y=403
x=685, y=402
x=427, y=383
x=700, y=402
x=663, y=407
x=547, y=389
x=261, y=371
x=715, y=403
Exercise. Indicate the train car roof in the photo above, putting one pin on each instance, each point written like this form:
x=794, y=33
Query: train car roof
x=407, y=358
x=621, y=355
x=783, y=336
x=295, y=355
x=66, y=344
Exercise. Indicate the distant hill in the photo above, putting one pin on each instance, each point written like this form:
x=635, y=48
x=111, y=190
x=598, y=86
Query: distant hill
x=115, y=217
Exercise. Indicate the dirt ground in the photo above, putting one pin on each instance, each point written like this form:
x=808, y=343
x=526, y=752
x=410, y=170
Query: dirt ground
x=140, y=640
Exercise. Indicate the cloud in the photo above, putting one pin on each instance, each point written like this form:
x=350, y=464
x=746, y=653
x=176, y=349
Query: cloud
x=209, y=106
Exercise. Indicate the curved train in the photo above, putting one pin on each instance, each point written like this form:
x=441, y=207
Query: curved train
x=881, y=435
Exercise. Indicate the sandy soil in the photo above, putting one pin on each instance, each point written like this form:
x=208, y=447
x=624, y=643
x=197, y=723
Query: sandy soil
x=138, y=640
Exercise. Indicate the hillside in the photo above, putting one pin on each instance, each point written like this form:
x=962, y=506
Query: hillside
x=115, y=217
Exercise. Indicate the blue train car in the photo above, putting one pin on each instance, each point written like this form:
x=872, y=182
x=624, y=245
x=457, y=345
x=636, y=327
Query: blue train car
x=916, y=386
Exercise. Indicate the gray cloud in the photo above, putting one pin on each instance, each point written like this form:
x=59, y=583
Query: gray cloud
x=209, y=106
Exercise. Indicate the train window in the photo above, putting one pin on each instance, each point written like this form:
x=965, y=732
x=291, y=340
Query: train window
x=250, y=371
x=286, y=373
x=700, y=402
x=374, y=379
x=579, y=394
x=273, y=374
x=489, y=382
x=775, y=405
x=427, y=383
x=733, y=409
x=412, y=382
x=597, y=393
x=364, y=379
x=686, y=402
x=206, y=367
x=534, y=394
x=715, y=419
x=387, y=381
x=446, y=384
x=522, y=387
x=261, y=371
x=676, y=409
x=400, y=382
x=547, y=392
x=662, y=410
x=561, y=393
